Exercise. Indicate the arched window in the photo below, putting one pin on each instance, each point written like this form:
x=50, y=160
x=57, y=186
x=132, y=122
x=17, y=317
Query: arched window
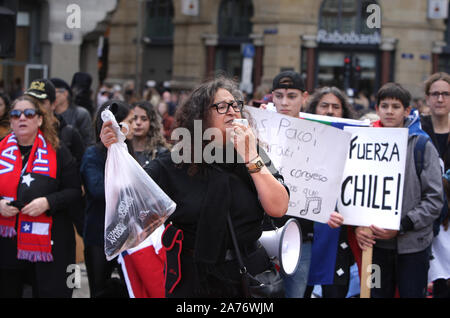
x=345, y=16
x=234, y=18
x=159, y=16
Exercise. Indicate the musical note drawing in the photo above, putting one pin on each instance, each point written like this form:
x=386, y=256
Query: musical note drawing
x=310, y=200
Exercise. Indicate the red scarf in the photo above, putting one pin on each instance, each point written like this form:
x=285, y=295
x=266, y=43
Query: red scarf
x=34, y=238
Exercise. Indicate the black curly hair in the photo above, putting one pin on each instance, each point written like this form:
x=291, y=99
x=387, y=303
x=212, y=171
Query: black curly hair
x=197, y=107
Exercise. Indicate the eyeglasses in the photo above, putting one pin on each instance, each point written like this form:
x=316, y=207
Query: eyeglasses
x=29, y=113
x=437, y=94
x=224, y=107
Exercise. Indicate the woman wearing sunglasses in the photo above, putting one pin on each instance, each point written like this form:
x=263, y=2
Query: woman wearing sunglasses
x=230, y=178
x=38, y=180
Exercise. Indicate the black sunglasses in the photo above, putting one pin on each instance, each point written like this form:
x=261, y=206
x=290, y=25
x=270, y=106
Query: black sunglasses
x=29, y=113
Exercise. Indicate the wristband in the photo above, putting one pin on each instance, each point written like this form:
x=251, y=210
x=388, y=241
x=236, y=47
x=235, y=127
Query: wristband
x=256, y=166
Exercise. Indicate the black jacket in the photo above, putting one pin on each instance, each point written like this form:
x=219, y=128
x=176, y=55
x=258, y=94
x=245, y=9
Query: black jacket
x=71, y=138
x=203, y=201
x=60, y=193
x=427, y=126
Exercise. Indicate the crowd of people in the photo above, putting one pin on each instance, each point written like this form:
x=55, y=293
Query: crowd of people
x=53, y=150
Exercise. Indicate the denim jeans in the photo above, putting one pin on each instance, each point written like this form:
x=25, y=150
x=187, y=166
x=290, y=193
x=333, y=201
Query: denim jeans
x=295, y=285
x=408, y=272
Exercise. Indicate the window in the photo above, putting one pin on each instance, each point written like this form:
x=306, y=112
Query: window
x=234, y=18
x=345, y=16
x=234, y=28
x=159, y=16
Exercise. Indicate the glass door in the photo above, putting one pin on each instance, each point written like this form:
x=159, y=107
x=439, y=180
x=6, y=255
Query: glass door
x=347, y=69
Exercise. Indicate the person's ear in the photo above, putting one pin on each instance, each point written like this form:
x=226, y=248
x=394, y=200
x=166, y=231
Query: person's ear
x=407, y=111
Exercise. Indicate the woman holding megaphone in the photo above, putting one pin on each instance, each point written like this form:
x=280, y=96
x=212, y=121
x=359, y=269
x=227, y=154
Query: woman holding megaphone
x=233, y=178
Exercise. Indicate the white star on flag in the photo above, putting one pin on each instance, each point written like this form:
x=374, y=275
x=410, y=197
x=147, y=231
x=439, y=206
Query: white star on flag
x=26, y=227
x=27, y=179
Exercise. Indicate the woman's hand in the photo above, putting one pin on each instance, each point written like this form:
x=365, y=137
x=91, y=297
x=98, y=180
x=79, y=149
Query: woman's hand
x=107, y=134
x=7, y=210
x=364, y=237
x=36, y=207
x=244, y=141
x=336, y=220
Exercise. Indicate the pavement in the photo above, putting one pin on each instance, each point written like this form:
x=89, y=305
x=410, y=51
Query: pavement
x=83, y=291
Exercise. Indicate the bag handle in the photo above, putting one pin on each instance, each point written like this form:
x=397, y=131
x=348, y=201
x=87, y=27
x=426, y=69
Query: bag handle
x=242, y=269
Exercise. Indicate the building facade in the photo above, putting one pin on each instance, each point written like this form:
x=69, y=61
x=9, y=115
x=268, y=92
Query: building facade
x=358, y=44
x=56, y=38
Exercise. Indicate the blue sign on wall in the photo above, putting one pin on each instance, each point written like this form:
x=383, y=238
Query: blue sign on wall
x=249, y=50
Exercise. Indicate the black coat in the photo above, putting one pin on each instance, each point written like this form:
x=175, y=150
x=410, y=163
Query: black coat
x=427, y=126
x=60, y=193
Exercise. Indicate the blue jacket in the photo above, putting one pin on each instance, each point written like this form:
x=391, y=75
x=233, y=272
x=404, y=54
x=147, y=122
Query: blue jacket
x=93, y=173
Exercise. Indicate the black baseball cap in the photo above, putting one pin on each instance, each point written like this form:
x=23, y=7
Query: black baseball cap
x=288, y=79
x=42, y=89
x=60, y=83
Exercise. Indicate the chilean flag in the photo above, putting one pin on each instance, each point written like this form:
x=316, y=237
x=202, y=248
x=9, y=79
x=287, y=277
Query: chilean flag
x=143, y=267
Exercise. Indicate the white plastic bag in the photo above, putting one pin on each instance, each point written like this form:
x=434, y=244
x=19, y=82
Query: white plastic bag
x=135, y=204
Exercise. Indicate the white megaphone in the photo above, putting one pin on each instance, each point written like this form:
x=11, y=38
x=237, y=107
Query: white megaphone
x=285, y=245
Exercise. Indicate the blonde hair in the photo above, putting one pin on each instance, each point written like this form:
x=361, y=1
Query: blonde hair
x=49, y=121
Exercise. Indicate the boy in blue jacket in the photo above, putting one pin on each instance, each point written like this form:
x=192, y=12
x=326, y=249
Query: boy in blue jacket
x=403, y=256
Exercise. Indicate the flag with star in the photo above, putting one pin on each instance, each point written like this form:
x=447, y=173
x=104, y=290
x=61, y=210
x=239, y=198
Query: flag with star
x=34, y=241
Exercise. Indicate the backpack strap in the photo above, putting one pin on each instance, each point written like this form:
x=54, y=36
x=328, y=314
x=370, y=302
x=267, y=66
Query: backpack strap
x=419, y=153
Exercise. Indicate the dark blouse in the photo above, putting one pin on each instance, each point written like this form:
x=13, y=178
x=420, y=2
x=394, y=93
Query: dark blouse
x=204, y=199
x=60, y=193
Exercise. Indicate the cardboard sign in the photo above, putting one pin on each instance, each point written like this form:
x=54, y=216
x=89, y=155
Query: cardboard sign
x=372, y=185
x=311, y=157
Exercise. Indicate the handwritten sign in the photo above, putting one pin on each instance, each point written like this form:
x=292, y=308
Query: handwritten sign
x=372, y=186
x=311, y=157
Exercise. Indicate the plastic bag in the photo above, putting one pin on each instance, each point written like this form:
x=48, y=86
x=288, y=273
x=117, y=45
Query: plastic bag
x=135, y=204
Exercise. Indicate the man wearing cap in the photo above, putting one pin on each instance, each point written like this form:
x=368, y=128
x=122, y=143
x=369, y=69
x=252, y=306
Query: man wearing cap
x=289, y=95
x=76, y=116
x=44, y=91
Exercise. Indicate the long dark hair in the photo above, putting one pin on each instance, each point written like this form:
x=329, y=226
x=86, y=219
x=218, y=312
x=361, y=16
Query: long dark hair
x=120, y=110
x=7, y=102
x=347, y=109
x=196, y=107
x=154, y=136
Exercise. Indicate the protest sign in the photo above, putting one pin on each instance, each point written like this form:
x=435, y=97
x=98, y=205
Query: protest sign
x=310, y=156
x=372, y=186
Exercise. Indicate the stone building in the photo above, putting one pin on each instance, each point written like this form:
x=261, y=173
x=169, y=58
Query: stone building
x=314, y=37
x=56, y=38
x=357, y=44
